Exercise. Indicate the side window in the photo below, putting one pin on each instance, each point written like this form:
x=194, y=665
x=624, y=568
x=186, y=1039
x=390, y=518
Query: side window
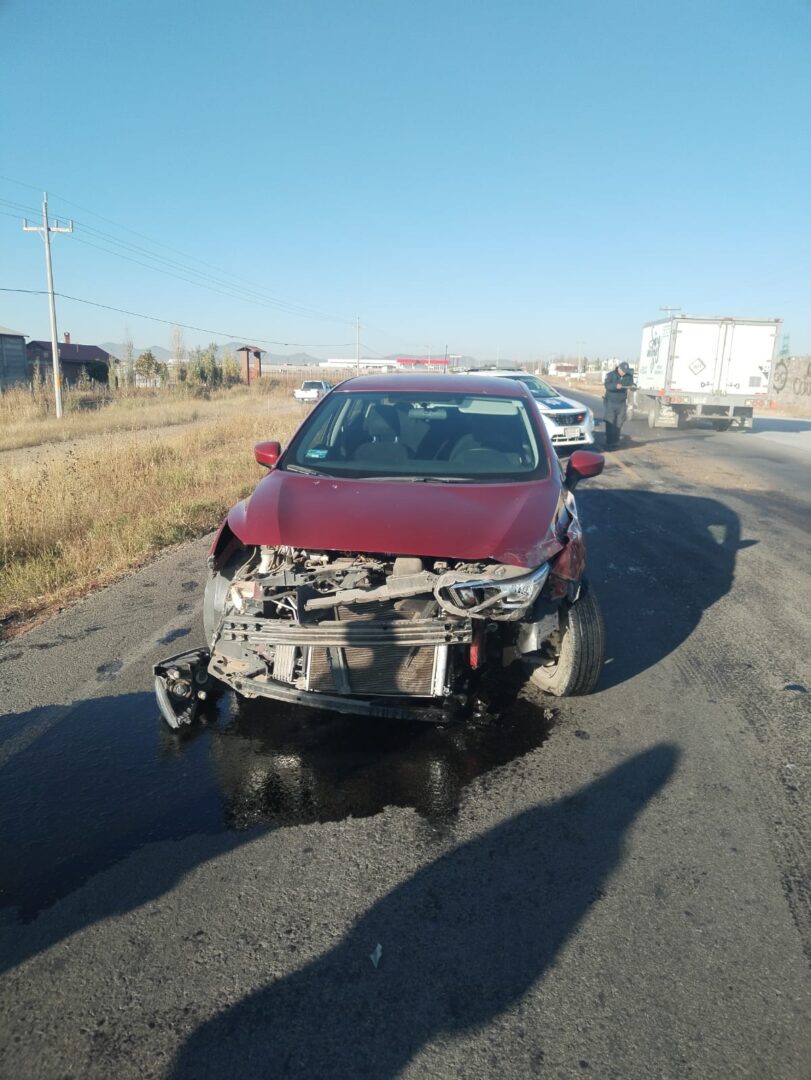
x=330, y=427
x=350, y=430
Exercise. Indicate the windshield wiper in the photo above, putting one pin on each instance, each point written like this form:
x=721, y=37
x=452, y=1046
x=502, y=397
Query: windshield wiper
x=446, y=479
x=426, y=479
x=304, y=470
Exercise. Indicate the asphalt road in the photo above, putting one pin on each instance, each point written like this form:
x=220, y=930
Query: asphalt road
x=613, y=887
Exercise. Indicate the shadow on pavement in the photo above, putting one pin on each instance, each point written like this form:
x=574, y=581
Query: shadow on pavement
x=778, y=423
x=462, y=941
x=656, y=562
x=109, y=779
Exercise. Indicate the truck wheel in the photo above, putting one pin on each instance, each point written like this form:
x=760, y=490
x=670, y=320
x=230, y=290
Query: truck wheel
x=722, y=425
x=576, y=651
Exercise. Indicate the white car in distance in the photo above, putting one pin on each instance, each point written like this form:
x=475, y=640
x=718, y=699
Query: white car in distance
x=569, y=423
x=312, y=390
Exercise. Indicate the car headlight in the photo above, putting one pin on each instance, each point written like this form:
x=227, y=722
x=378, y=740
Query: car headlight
x=506, y=595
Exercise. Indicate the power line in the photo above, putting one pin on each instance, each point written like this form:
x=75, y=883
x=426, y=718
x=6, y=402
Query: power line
x=182, y=277
x=20, y=207
x=392, y=337
x=186, y=326
x=212, y=285
x=229, y=285
x=15, y=214
x=293, y=308
x=207, y=280
x=224, y=287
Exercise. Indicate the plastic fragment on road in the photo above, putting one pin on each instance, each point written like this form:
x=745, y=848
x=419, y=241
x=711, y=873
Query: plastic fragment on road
x=375, y=954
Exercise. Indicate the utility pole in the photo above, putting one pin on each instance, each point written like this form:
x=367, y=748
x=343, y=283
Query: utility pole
x=46, y=231
x=580, y=344
x=357, y=345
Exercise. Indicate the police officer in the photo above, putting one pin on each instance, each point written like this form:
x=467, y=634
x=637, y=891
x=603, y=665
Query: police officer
x=615, y=406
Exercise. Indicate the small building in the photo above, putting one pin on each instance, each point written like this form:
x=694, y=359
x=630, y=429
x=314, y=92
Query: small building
x=76, y=361
x=344, y=364
x=250, y=363
x=422, y=363
x=13, y=362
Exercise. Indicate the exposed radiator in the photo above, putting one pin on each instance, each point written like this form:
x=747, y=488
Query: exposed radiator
x=383, y=669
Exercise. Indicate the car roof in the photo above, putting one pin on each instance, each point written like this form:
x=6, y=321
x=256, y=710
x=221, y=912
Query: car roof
x=424, y=384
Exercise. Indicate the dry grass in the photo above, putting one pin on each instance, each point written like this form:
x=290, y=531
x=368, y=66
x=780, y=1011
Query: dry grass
x=86, y=517
x=27, y=419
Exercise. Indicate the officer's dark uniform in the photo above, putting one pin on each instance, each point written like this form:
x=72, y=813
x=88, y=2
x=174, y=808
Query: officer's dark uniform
x=615, y=404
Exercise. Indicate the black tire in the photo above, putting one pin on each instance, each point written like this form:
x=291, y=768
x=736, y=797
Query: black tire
x=580, y=650
x=722, y=425
x=217, y=586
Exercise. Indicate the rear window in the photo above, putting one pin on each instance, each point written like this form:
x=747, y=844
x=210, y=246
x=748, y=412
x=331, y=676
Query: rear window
x=439, y=436
x=311, y=386
x=537, y=387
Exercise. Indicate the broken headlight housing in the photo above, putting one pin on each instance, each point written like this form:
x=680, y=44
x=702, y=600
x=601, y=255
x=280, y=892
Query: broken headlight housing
x=506, y=595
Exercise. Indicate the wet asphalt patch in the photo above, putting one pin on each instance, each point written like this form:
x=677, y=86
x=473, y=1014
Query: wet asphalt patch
x=113, y=778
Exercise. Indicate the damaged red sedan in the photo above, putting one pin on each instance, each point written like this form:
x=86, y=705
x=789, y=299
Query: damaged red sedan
x=416, y=530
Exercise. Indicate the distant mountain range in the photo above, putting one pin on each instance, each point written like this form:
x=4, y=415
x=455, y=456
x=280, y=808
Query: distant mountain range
x=299, y=359
x=118, y=349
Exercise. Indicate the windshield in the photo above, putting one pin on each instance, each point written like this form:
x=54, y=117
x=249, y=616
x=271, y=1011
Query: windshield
x=436, y=436
x=537, y=387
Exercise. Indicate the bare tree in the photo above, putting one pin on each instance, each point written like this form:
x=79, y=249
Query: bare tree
x=177, y=343
x=128, y=357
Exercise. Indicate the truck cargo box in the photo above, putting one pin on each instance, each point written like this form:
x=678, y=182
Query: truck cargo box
x=695, y=367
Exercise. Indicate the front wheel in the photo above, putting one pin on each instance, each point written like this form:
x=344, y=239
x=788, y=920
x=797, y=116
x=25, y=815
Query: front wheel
x=576, y=651
x=216, y=594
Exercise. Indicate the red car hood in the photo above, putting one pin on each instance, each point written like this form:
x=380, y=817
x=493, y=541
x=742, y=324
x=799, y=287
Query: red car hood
x=505, y=522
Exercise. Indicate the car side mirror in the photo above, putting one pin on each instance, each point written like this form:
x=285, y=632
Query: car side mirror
x=267, y=453
x=582, y=465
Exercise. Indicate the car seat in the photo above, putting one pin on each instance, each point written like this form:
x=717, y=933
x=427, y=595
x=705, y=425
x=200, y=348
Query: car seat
x=384, y=446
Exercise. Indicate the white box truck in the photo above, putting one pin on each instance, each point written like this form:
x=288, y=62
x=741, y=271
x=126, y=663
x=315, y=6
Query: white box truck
x=693, y=368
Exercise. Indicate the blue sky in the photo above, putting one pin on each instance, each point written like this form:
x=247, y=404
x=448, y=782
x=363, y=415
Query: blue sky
x=515, y=179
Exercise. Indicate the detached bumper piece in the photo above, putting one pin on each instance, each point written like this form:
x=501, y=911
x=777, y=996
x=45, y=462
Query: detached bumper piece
x=391, y=709
x=183, y=687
